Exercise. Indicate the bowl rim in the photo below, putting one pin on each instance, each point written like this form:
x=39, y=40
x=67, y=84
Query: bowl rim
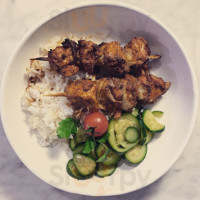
x=75, y=6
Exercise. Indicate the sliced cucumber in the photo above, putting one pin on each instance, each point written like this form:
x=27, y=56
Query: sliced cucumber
x=112, y=157
x=135, y=112
x=132, y=134
x=117, y=130
x=78, y=149
x=136, y=154
x=93, y=154
x=84, y=164
x=81, y=136
x=105, y=170
x=151, y=122
x=150, y=136
x=143, y=134
x=72, y=144
x=72, y=170
x=158, y=114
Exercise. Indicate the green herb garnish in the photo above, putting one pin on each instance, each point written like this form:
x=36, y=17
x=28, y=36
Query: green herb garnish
x=89, y=146
x=104, y=156
x=104, y=138
x=66, y=128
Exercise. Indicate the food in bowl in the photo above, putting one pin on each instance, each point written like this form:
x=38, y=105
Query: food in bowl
x=93, y=95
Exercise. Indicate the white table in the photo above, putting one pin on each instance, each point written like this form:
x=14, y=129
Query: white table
x=182, y=181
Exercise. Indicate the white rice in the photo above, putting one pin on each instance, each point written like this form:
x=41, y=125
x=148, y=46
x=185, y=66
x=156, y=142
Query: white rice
x=45, y=112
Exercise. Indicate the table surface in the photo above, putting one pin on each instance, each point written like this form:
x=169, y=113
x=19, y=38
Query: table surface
x=181, y=181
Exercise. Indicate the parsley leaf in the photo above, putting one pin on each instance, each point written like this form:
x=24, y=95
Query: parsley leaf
x=103, y=157
x=66, y=127
x=104, y=138
x=89, y=146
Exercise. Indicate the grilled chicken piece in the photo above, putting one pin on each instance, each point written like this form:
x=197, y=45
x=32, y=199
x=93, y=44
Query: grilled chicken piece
x=150, y=88
x=137, y=51
x=113, y=94
x=82, y=96
x=158, y=88
x=69, y=70
x=111, y=59
x=63, y=58
x=86, y=55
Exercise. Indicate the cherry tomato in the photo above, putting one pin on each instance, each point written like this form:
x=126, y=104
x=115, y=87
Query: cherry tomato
x=98, y=120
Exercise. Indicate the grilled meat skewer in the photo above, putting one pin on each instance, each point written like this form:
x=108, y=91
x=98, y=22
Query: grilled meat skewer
x=106, y=59
x=114, y=95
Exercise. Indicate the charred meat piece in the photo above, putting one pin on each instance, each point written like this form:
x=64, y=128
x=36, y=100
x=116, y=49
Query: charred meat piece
x=60, y=57
x=150, y=88
x=109, y=96
x=82, y=96
x=158, y=88
x=69, y=70
x=111, y=59
x=70, y=44
x=137, y=51
x=86, y=55
x=114, y=95
x=137, y=71
x=63, y=58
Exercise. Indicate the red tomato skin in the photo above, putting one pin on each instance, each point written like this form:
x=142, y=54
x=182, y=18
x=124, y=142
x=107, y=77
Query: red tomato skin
x=98, y=120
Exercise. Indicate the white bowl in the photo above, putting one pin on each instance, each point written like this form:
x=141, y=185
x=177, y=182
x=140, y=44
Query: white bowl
x=111, y=22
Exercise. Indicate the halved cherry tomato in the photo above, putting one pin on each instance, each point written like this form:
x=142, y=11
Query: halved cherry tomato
x=98, y=120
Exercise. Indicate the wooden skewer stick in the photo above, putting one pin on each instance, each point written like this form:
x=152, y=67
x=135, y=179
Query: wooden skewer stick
x=40, y=58
x=62, y=94
x=154, y=56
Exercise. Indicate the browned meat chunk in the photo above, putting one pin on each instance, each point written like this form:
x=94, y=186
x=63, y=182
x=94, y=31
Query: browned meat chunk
x=150, y=88
x=69, y=70
x=82, y=96
x=63, y=58
x=110, y=58
x=86, y=55
x=60, y=56
x=137, y=51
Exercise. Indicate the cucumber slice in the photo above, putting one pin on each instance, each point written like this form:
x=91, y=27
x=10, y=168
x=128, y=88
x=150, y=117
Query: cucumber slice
x=81, y=136
x=158, y=114
x=93, y=154
x=151, y=122
x=84, y=164
x=117, y=129
x=72, y=170
x=136, y=154
x=72, y=144
x=114, y=143
x=150, y=136
x=78, y=149
x=125, y=121
x=112, y=157
x=135, y=112
x=143, y=134
x=105, y=170
x=131, y=134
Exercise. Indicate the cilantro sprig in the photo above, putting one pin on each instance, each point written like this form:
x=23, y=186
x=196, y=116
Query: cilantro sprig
x=66, y=128
x=89, y=146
